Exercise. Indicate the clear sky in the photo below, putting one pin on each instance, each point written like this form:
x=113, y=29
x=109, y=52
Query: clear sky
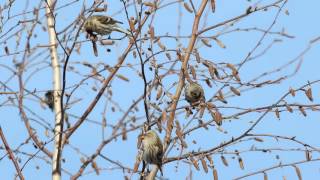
x=298, y=19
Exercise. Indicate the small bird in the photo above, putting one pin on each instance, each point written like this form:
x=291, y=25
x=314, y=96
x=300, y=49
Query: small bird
x=103, y=25
x=49, y=99
x=194, y=93
x=152, y=149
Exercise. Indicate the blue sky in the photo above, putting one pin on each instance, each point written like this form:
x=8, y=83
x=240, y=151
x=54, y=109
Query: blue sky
x=299, y=21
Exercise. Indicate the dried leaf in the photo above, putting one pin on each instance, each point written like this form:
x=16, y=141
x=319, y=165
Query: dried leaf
x=309, y=94
x=187, y=7
x=224, y=160
x=298, y=172
x=235, y=91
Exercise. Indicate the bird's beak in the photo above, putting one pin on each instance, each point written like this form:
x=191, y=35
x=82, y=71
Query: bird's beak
x=142, y=137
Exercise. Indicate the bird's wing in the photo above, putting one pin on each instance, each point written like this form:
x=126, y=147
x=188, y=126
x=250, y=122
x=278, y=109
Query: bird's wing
x=108, y=20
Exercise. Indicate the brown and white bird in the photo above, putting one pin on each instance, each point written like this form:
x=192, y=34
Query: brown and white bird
x=152, y=149
x=194, y=93
x=103, y=25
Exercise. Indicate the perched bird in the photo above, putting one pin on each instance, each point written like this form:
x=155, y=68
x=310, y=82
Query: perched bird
x=49, y=99
x=152, y=149
x=103, y=25
x=194, y=93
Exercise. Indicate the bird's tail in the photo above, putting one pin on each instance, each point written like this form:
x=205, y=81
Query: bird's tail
x=160, y=168
x=119, y=29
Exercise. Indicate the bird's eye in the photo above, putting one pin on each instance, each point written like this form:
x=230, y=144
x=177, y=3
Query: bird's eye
x=194, y=93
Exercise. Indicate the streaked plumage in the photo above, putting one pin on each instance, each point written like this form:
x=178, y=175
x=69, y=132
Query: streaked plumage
x=194, y=93
x=152, y=149
x=103, y=25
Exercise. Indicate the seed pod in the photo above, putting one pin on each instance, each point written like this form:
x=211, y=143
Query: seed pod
x=204, y=165
x=195, y=163
x=241, y=163
x=159, y=93
x=235, y=91
x=277, y=113
x=187, y=7
x=298, y=172
x=219, y=43
x=224, y=160
x=95, y=167
x=215, y=174
x=301, y=109
x=213, y=5
x=292, y=92
x=265, y=176
x=206, y=42
x=289, y=108
x=151, y=31
x=258, y=139
x=309, y=94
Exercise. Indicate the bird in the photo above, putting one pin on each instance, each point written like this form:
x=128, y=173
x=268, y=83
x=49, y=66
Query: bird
x=49, y=99
x=152, y=149
x=194, y=93
x=103, y=25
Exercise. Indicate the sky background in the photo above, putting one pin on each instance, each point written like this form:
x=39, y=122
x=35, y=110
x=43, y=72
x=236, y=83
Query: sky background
x=300, y=22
